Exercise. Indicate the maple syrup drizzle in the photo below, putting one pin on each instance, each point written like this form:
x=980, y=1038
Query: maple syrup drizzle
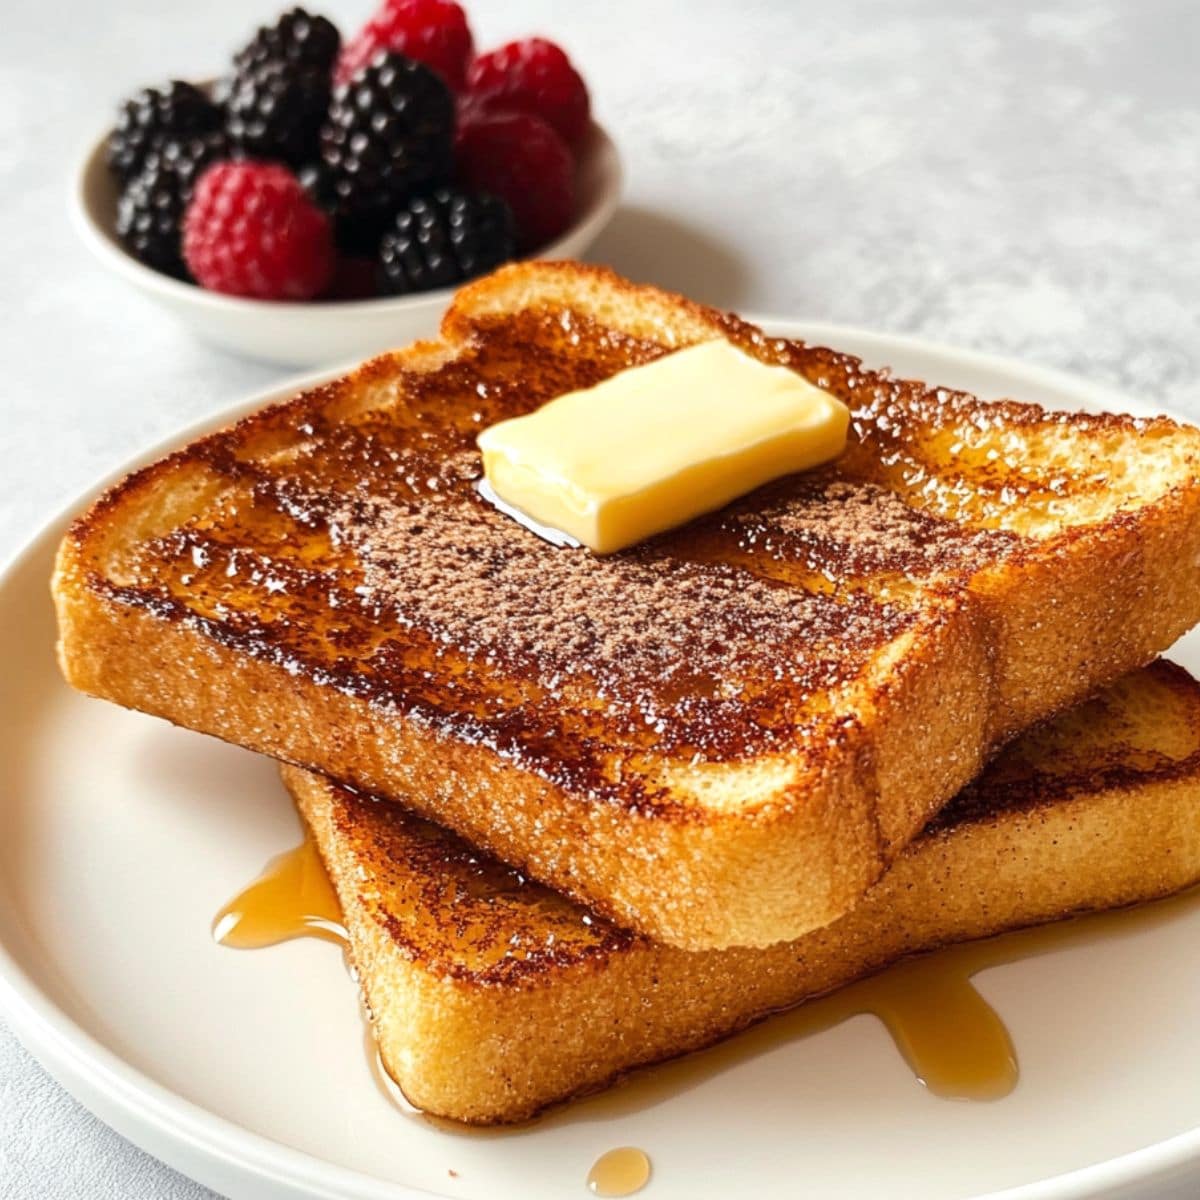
x=950, y=1036
x=619, y=1172
x=954, y=1041
x=292, y=898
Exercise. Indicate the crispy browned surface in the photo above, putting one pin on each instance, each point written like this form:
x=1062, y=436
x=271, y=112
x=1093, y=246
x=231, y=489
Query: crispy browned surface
x=723, y=736
x=494, y=996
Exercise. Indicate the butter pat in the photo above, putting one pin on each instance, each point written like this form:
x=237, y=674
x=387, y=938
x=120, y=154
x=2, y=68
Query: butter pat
x=657, y=445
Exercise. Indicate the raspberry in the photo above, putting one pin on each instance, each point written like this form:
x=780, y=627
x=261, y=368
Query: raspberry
x=433, y=32
x=251, y=230
x=519, y=158
x=533, y=76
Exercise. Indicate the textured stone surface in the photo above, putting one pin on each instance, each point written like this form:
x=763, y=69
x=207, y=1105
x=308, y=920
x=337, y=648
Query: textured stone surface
x=1020, y=177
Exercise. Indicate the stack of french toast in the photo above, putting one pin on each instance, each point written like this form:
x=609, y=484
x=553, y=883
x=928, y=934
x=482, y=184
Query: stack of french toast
x=586, y=812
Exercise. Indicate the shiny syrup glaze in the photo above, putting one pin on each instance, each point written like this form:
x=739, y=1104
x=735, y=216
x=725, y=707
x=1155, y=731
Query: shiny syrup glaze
x=991, y=465
x=292, y=898
x=949, y=1035
x=458, y=914
x=953, y=1040
x=285, y=564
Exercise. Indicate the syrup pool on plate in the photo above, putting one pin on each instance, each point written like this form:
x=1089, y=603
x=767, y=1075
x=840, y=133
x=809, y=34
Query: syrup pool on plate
x=952, y=1038
x=619, y=1172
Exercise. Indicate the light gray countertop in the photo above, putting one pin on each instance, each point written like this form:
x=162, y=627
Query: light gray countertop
x=1021, y=177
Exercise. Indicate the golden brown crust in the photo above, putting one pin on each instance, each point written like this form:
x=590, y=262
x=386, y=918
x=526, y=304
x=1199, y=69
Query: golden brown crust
x=321, y=582
x=495, y=996
x=1144, y=729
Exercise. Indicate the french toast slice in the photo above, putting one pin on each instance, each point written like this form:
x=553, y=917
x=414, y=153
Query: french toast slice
x=493, y=997
x=721, y=737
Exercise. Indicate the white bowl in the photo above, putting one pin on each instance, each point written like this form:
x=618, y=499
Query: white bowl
x=317, y=332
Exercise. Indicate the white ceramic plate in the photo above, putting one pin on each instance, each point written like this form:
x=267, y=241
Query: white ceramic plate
x=316, y=333
x=120, y=837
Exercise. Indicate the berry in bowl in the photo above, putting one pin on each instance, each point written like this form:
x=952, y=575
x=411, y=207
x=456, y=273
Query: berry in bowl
x=322, y=199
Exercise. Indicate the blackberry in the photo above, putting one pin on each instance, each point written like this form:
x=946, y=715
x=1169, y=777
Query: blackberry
x=318, y=183
x=356, y=233
x=150, y=210
x=154, y=115
x=275, y=110
x=445, y=237
x=298, y=38
x=389, y=135
x=188, y=160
